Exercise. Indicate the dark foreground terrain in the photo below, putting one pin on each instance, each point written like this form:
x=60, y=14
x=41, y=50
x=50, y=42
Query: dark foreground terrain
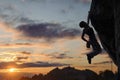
x=70, y=73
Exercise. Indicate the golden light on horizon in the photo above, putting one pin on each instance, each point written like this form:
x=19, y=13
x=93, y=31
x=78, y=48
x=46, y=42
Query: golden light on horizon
x=12, y=69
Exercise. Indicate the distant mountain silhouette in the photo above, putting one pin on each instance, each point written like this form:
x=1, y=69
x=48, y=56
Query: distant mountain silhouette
x=70, y=73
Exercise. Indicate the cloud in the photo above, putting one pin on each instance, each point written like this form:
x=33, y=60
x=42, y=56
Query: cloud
x=21, y=58
x=62, y=56
x=48, y=57
x=57, y=55
x=6, y=27
x=5, y=65
x=16, y=45
x=9, y=13
x=16, y=19
x=25, y=45
x=24, y=52
x=104, y=62
x=47, y=31
x=42, y=64
x=25, y=20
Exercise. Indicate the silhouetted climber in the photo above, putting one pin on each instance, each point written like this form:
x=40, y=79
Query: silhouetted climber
x=92, y=40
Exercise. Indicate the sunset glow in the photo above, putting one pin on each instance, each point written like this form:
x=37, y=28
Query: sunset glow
x=12, y=70
x=37, y=36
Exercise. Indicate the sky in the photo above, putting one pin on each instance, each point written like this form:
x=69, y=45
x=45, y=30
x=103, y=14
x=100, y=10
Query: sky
x=39, y=35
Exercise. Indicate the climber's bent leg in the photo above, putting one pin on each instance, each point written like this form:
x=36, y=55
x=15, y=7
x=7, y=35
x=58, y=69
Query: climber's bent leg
x=92, y=54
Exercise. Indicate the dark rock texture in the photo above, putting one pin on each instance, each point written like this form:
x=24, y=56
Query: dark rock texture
x=105, y=18
x=102, y=18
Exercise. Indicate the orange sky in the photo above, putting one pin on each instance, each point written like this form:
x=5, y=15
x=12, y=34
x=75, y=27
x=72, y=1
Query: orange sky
x=61, y=52
x=48, y=37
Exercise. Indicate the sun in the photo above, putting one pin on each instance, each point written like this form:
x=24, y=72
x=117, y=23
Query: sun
x=12, y=70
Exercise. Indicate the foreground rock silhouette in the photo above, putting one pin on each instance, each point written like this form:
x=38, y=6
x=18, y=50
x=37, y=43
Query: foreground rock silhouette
x=70, y=73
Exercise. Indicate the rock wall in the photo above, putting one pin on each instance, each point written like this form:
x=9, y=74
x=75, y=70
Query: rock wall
x=117, y=33
x=105, y=18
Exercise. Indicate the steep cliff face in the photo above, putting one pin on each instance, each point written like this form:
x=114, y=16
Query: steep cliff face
x=117, y=33
x=102, y=16
x=105, y=18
